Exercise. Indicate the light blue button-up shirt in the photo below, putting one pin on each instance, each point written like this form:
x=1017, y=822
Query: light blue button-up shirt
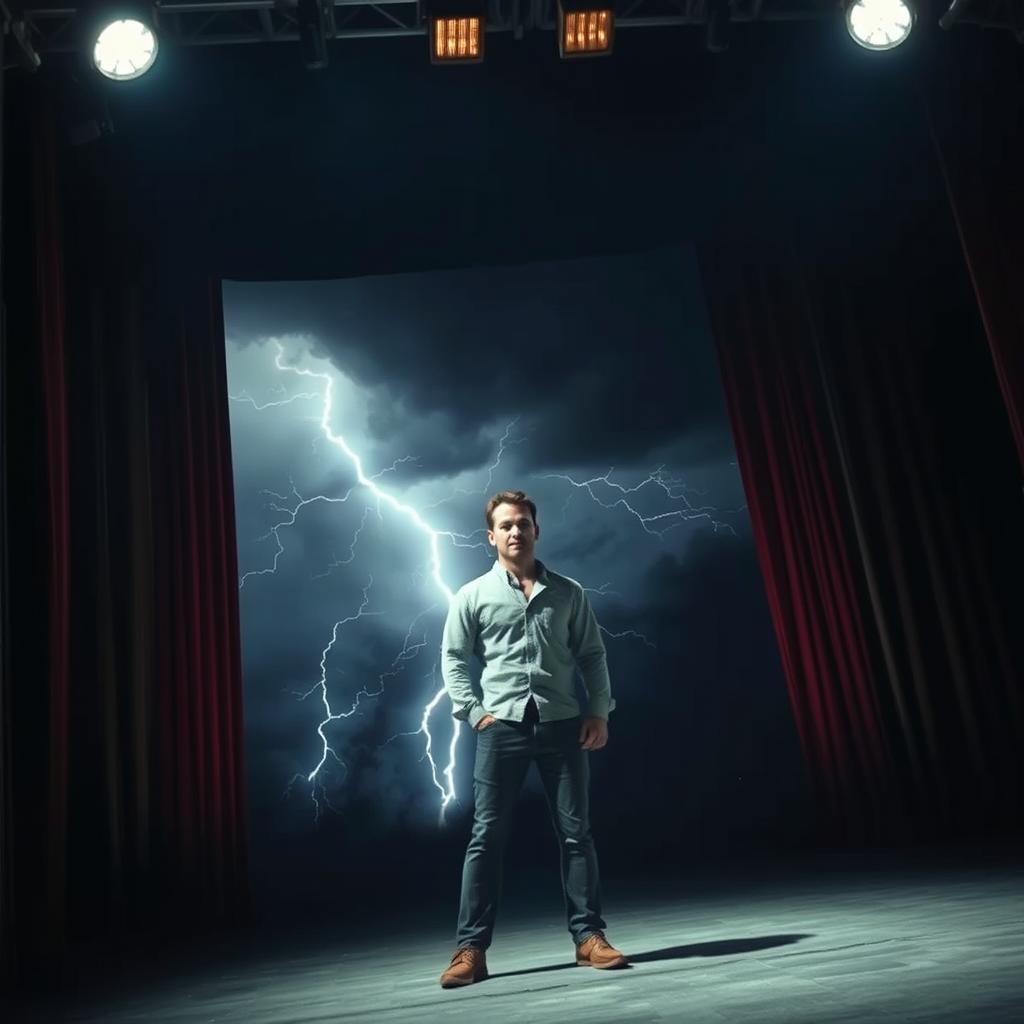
x=528, y=648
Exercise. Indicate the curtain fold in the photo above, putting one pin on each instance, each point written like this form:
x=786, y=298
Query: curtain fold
x=954, y=665
x=126, y=785
x=788, y=465
x=203, y=806
x=888, y=592
x=6, y=893
x=975, y=109
x=51, y=327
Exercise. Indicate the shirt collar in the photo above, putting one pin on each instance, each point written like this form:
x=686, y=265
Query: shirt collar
x=500, y=570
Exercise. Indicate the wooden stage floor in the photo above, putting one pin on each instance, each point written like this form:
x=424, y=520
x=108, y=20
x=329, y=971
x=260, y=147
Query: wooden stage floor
x=896, y=942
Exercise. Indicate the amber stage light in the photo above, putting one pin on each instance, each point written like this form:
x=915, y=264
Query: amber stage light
x=456, y=40
x=584, y=33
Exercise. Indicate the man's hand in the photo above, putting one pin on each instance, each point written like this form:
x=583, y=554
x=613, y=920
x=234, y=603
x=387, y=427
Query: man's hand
x=485, y=722
x=593, y=733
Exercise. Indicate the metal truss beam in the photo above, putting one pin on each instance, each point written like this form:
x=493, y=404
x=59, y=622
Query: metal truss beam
x=52, y=28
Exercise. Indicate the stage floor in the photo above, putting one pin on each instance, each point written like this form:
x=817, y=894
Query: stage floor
x=861, y=943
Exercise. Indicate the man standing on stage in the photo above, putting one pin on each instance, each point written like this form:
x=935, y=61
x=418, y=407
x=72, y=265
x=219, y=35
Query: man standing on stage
x=531, y=629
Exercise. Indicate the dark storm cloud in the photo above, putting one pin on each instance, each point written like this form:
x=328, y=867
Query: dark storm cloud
x=590, y=539
x=443, y=443
x=610, y=357
x=601, y=363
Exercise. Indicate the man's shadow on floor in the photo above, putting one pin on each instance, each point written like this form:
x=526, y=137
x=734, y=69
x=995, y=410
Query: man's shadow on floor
x=720, y=947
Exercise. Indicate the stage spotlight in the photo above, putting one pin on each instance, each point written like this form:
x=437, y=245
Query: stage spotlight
x=879, y=24
x=124, y=44
x=456, y=31
x=584, y=30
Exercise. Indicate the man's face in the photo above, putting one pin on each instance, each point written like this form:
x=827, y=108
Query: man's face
x=513, y=533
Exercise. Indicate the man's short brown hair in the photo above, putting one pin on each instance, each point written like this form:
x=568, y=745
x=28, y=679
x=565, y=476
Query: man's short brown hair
x=509, y=498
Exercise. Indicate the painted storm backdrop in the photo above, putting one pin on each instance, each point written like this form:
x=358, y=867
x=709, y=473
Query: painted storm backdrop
x=577, y=381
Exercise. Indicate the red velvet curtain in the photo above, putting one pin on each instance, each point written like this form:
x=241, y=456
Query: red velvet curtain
x=793, y=479
x=889, y=589
x=976, y=110
x=49, y=286
x=37, y=588
x=201, y=805
x=126, y=789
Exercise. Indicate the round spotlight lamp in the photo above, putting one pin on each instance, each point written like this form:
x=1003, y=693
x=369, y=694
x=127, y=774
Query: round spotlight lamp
x=124, y=49
x=879, y=24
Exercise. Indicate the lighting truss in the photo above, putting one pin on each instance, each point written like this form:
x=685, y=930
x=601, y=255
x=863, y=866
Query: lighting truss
x=51, y=27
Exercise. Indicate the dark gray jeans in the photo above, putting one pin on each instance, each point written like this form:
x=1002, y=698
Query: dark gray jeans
x=504, y=752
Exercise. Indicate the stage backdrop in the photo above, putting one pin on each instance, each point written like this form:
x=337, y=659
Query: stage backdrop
x=371, y=418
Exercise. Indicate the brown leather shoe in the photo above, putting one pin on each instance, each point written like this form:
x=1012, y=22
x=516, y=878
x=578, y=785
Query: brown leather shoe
x=469, y=964
x=596, y=951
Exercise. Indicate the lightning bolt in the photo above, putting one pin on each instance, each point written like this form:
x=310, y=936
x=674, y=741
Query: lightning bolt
x=291, y=515
x=321, y=685
x=290, y=506
x=504, y=442
x=244, y=396
x=291, y=512
x=335, y=563
x=443, y=779
x=627, y=634
x=658, y=523
x=603, y=591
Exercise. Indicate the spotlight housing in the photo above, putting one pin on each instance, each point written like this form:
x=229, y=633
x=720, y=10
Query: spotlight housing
x=585, y=28
x=880, y=24
x=457, y=29
x=122, y=41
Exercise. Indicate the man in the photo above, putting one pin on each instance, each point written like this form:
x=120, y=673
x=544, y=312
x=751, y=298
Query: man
x=531, y=629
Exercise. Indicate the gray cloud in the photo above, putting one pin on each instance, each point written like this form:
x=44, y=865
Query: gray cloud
x=596, y=364
x=607, y=355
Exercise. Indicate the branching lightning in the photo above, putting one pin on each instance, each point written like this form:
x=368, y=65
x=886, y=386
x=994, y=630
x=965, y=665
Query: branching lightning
x=603, y=591
x=659, y=523
x=602, y=490
x=504, y=442
x=443, y=779
x=244, y=396
x=335, y=562
x=291, y=515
